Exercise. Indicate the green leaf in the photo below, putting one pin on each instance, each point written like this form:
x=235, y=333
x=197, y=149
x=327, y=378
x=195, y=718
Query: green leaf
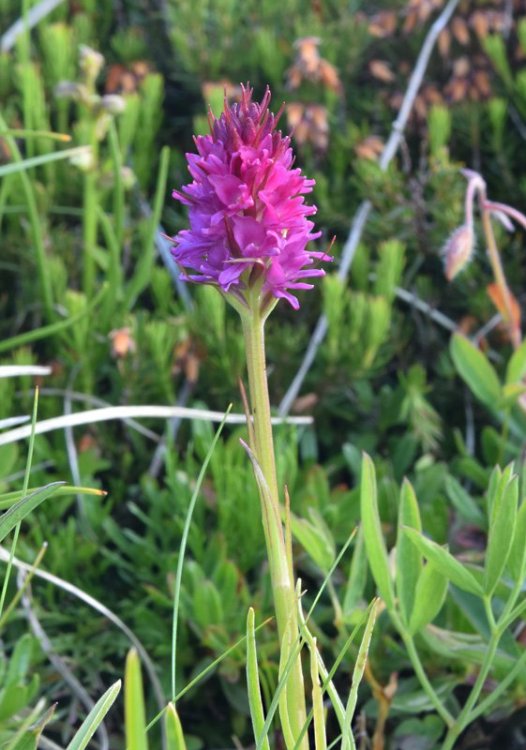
x=22, y=508
x=315, y=538
x=357, y=576
x=476, y=370
x=408, y=558
x=431, y=590
x=94, y=718
x=173, y=729
x=254, y=691
x=501, y=532
x=517, y=557
x=134, y=711
x=445, y=563
x=463, y=502
x=372, y=531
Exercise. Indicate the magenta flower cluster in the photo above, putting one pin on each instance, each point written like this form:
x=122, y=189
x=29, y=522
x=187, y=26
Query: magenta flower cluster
x=248, y=219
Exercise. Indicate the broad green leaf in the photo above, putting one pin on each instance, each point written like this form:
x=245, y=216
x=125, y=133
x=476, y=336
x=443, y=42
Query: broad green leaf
x=173, y=729
x=254, y=690
x=517, y=558
x=476, y=370
x=445, y=563
x=408, y=558
x=516, y=369
x=500, y=534
x=372, y=531
x=431, y=590
x=22, y=508
x=134, y=711
x=94, y=718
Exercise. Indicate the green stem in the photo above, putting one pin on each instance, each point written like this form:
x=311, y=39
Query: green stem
x=465, y=716
x=427, y=687
x=292, y=710
x=37, y=230
x=90, y=222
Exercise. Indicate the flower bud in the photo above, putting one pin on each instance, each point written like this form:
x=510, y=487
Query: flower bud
x=458, y=250
x=91, y=63
x=113, y=104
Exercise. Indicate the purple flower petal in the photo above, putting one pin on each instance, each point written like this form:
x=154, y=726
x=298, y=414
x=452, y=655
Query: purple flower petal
x=246, y=207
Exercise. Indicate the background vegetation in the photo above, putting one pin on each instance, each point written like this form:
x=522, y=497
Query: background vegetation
x=86, y=289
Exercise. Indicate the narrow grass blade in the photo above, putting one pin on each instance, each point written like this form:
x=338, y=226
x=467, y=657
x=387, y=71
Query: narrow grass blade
x=36, y=161
x=182, y=549
x=94, y=718
x=357, y=675
x=254, y=691
x=134, y=711
x=23, y=507
x=318, y=711
x=8, y=498
x=173, y=728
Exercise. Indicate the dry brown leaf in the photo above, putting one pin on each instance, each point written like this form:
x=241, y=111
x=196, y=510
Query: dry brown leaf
x=459, y=29
x=444, y=42
x=370, y=148
x=383, y=24
x=381, y=70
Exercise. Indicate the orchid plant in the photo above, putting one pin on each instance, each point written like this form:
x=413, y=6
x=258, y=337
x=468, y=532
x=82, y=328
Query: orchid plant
x=248, y=236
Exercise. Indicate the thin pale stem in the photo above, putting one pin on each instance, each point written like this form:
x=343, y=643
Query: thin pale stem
x=498, y=273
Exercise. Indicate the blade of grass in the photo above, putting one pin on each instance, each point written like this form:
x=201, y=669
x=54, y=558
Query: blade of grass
x=173, y=728
x=94, y=718
x=8, y=498
x=357, y=675
x=14, y=515
x=254, y=690
x=134, y=710
x=182, y=548
x=37, y=161
x=21, y=133
x=207, y=670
